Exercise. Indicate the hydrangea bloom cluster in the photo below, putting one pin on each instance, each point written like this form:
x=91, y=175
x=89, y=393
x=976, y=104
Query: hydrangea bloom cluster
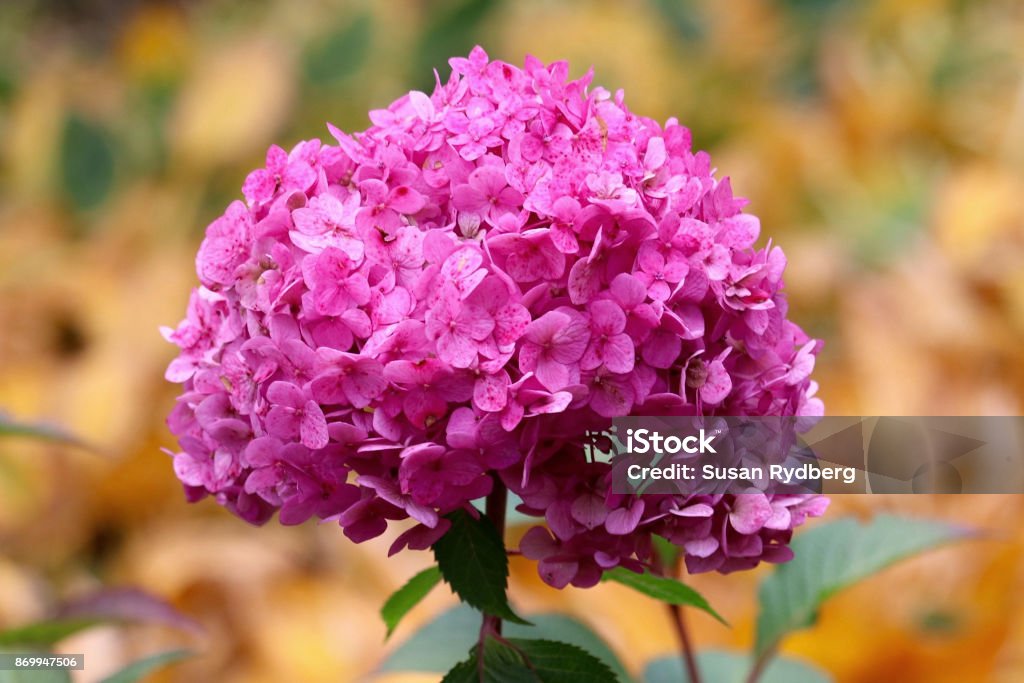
x=466, y=293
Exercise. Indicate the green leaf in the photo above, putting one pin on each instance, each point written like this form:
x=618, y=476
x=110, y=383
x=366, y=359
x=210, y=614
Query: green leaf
x=565, y=629
x=45, y=633
x=684, y=18
x=667, y=551
x=831, y=557
x=450, y=33
x=662, y=588
x=732, y=667
x=438, y=645
x=11, y=427
x=86, y=162
x=31, y=676
x=557, y=662
x=408, y=596
x=136, y=671
x=441, y=643
x=463, y=672
x=501, y=664
x=531, y=661
x=340, y=53
x=473, y=561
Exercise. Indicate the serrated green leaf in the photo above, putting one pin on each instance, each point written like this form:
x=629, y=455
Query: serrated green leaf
x=502, y=664
x=472, y=559
x=565, y=629
x=662, y=588
x=45, y=633
x=557, y=662
x=463, y=672
x=732, y=667
x=340, y=53
x=831, y=557
x=440, y=644
x=86, y=162
x=136, y=671
x=531, y=661
x=408, y=596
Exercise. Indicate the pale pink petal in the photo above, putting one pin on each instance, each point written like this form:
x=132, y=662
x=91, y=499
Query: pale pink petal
x=619, y=354
x=717, y=385
x=490, y=392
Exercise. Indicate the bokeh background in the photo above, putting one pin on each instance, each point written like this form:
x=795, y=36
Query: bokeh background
x=881, y=143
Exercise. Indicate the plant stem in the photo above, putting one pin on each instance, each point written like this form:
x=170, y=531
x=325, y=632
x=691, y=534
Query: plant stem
x=686, y=650
x=495, y=511
x=759, y=666
x=685, y=644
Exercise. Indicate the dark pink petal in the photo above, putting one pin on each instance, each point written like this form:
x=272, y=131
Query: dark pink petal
x=661, y=349
x=364, y=384
x=422, y=407
x=512, y=416
x=611, y=397
x=313, y=430
x=558, y=573
x=618, y=354
x=282, y=423
x=589, y=510
x=537, y=544
x=285, y=394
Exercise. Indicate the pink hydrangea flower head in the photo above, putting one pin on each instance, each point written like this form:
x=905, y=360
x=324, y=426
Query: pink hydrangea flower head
x=466, y=293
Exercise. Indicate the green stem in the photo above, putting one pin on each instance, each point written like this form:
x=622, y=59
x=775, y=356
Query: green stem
x=759, y=665
x=686, y=650
x=685, y=644
x=495, y=511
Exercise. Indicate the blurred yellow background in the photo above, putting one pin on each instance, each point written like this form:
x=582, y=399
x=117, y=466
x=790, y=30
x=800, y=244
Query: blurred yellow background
x=881, y=143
